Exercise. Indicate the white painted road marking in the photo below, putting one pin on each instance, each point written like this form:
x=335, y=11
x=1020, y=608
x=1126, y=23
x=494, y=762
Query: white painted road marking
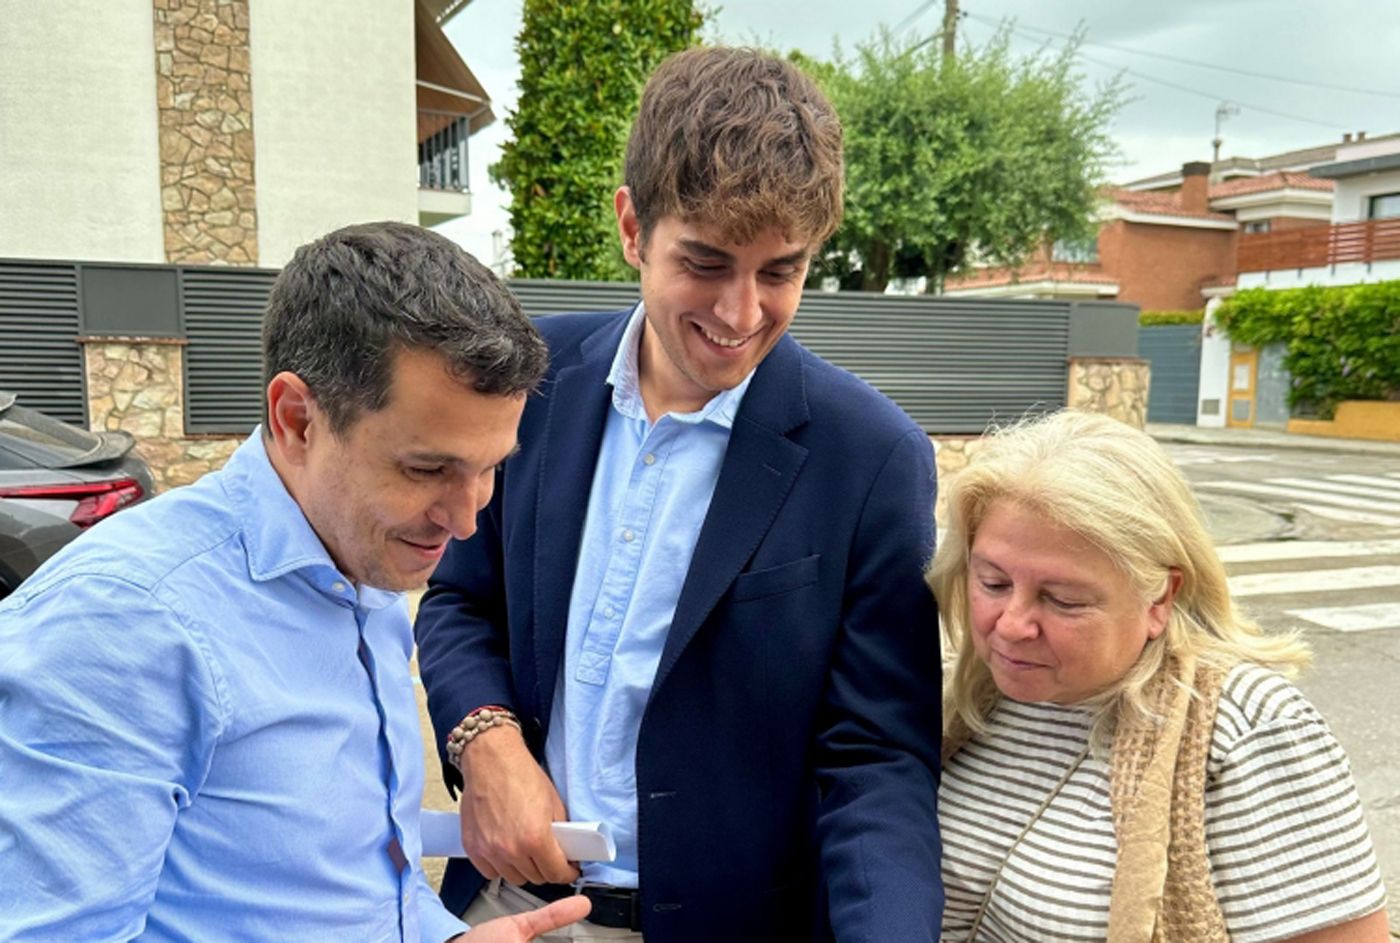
x=1307, y=485
x=1354, y=517
x=1384, y=615
x=1207, y=457
x=1372, y=480
x=1306, y=550
x=1278, y=491
x=1316, y=581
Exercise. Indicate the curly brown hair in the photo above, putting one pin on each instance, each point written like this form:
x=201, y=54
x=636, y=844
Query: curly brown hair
x=739, y=140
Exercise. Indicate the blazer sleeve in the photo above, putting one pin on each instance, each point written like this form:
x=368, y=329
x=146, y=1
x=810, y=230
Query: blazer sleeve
x=877, y=742
x=462, y=632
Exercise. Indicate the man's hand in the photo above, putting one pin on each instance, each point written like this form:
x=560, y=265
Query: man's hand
x=529, y=925
x=507, y=806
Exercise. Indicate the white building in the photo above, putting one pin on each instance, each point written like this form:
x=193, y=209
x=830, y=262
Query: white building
x=225, y=131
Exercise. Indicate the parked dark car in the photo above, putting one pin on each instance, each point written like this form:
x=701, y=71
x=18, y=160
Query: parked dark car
x=57, y=480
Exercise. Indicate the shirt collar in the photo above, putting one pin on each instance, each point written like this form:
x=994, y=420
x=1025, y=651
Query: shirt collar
x=279, y=538
x=624, y=377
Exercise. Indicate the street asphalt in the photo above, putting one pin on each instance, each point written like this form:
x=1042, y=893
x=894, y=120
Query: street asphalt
x=1309, y=529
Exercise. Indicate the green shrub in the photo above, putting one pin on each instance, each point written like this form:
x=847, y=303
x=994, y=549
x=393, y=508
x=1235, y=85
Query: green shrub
x=1154, y=318
x=1342, y=343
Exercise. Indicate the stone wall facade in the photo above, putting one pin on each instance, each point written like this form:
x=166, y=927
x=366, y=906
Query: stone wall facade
x=137, y=385
x=1114, y=386
x=205, y=99
x=952, y=453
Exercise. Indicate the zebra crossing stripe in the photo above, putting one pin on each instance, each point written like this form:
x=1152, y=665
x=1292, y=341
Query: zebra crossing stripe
x=1297, y=493
x=1204, y=457
x=1316, y=581
x=1314, y=484
x=1305, y=550
x=1383, y=615
x=1352, y=517
x=1372, y=480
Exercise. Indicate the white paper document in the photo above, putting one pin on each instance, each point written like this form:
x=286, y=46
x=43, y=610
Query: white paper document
x=581, y=841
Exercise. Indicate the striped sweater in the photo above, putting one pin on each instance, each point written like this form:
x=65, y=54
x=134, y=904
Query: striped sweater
x=1287, y=839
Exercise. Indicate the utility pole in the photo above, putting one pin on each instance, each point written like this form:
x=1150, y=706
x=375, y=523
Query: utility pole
x=950, y=29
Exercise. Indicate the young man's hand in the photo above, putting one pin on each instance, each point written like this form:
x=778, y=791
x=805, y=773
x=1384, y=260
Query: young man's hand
x=528, y=926
x=508, y=804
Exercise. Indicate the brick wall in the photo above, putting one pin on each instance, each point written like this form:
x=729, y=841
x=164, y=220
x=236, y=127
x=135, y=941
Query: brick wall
x=1163, y=268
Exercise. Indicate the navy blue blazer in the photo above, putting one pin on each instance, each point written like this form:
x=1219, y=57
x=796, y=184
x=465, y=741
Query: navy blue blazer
x=787, y=761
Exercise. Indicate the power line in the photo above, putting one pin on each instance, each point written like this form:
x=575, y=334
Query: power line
x=1213, y=96
x=909, y=20
x=1196, y=62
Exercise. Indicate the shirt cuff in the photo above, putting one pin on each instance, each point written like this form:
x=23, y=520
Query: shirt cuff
x=435, y=924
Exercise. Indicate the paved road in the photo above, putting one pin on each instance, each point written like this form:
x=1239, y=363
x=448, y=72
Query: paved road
x=1312, y=543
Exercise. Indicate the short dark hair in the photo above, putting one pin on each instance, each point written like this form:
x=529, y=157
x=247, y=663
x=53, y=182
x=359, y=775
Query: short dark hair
x=737, y=139
x=347, y=303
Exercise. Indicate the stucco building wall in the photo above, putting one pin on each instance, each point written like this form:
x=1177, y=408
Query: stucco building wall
x=335, y=121
x=78, y=132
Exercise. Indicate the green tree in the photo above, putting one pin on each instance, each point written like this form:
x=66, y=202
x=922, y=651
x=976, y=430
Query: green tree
x=949, y=161
x=583, y=64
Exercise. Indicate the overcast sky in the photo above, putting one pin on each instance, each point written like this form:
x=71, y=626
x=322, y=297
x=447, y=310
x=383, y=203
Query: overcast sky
x=1345, y=44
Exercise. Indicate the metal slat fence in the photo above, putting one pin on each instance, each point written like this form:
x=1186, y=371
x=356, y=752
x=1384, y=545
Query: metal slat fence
x=41, y=361
x=952, y=364
x=1174, y=350
x=223, y=362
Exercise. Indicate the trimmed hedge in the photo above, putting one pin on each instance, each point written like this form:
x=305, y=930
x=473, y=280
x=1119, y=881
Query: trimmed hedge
x=1342, y=343
x=1154, y=318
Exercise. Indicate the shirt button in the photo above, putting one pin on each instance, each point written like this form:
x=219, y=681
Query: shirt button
x=649, y=458
x=610, y=612
x=627, y=536
x=338, y=586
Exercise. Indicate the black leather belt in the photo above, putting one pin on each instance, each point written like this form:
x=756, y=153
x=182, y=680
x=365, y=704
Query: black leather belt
x=619, y=908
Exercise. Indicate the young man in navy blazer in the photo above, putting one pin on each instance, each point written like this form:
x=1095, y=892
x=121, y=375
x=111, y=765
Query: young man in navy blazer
x=694, y=608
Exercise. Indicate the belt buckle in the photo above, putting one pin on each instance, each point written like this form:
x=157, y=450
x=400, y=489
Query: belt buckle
x=617, y=895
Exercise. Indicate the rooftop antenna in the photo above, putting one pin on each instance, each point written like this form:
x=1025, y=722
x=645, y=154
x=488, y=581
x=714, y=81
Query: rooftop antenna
x=1222, y=111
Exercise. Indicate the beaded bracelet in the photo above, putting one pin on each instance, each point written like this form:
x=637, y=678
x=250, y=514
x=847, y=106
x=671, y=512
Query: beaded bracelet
x=473, y=725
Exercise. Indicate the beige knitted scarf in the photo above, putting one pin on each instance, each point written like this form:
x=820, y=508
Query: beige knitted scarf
x=1162, y=891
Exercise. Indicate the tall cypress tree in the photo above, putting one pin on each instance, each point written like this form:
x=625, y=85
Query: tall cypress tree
x=583, y=65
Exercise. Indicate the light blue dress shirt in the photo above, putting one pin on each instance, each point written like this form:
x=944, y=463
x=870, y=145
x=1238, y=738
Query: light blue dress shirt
x=208, y=733
x=651, y=490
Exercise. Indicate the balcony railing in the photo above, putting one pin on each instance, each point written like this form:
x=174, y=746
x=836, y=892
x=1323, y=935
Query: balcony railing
x=1319, y=246
x=442, y=149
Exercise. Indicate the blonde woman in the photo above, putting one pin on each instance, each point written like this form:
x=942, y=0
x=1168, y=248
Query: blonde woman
x=1125, y=758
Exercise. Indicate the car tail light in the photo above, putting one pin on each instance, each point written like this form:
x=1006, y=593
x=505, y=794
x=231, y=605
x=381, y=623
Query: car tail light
x=96, y=499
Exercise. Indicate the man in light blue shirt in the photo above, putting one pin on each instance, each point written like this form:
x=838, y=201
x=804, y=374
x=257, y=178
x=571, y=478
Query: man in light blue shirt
x=207, y=726
x=653, y=480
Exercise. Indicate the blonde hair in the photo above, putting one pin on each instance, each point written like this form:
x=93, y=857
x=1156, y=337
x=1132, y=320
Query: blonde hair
x=1116, y=487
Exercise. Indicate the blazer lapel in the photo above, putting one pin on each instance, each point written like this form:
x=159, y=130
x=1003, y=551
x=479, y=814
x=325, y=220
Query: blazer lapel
x=760, y=466
x=579, y=398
